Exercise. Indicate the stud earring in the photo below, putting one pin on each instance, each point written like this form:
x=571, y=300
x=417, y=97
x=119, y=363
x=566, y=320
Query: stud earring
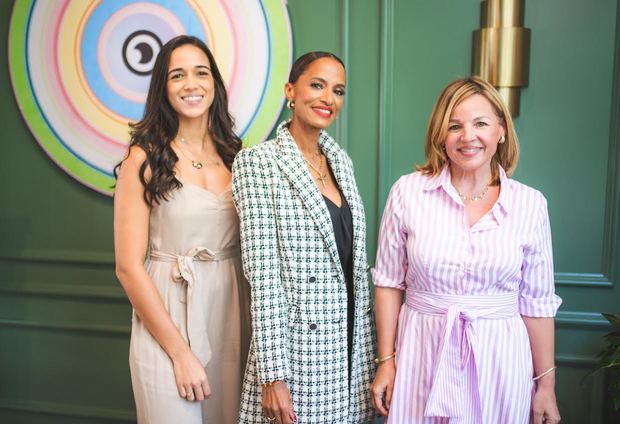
x=291, y=104
x=502, y=139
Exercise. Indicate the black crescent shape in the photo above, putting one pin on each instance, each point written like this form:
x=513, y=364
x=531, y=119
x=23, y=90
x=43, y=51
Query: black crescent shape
x=146, y=52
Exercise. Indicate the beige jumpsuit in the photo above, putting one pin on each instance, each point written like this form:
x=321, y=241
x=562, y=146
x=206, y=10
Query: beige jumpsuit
x=194, y=261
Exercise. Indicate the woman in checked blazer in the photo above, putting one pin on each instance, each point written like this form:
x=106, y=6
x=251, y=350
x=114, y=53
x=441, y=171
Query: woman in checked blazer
x=303, y=250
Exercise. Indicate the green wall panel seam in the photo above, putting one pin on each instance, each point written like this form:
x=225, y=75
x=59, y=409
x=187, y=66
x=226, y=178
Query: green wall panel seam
x=92, y=330
x=67, y=410
x=576, y=279
x=342, y=125
x=567, y=359
x=612, y=210
x=386, y=98
x=68, y=291
x=82, y=257
x=581, y=319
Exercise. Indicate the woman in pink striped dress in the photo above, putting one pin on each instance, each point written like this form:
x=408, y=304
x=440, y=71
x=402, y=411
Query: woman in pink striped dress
x=471, y=248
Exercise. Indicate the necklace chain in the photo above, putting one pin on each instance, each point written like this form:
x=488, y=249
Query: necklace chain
x=321, y=176
x=196, y=164
x=474, y=198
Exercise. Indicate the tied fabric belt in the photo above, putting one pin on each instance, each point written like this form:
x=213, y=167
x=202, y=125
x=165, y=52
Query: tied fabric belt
x=185, y=272
x=457, y=348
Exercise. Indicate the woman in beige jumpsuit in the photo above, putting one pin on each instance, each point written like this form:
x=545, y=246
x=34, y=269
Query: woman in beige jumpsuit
x=173, y=206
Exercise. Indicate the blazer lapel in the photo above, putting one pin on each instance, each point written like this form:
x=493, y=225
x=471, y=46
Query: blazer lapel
x=292, y=165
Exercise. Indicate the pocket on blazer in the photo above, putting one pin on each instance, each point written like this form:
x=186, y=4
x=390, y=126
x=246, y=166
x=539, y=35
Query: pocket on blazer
x=299, y=315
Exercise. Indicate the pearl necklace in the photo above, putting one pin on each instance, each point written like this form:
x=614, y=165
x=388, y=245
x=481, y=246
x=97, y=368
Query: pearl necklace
x=473, y=198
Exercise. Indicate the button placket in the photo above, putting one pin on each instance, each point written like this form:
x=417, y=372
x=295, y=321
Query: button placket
x=463, y=265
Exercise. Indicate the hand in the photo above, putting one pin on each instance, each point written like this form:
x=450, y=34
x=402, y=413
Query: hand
x=382, y=387
x=545, y=407
x=190, y=376
x=278, y=403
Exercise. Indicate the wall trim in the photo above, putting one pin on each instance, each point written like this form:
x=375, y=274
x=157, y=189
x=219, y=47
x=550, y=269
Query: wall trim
x=610, y=257
x=386, y=97
x=611, y=230
x=581, y=319
x=342, y=124
x=67, y=410
x=65, y=291
x=575, y=279
x=89, y=329
x=80, y=257
x=569, y=359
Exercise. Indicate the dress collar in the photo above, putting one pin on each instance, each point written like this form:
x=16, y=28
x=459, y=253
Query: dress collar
x=442, y=180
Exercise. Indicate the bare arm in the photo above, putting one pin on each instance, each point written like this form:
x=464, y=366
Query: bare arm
x=387, y=307
x=541, y=334
x=131, y=220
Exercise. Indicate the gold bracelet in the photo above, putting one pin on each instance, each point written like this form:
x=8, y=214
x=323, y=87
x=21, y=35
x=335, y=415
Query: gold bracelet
x=539, y=376
x=270, y=383
x=385, y=358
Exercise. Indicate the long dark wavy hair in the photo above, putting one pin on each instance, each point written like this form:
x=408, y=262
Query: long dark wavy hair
x=160, y=124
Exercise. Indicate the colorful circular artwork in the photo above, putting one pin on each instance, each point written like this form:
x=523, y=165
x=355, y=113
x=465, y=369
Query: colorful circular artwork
x=81, y=69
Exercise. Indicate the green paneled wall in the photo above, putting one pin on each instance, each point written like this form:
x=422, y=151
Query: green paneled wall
x=64, y=321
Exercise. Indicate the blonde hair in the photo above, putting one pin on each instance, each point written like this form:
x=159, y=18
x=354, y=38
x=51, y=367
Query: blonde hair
x=507, y=154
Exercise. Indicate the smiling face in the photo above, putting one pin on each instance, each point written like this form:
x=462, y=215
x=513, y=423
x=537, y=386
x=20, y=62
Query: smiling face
x=190, y=88
x=473, y=133
x=317, y=94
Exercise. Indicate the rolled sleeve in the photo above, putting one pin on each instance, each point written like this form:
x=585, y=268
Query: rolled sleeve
x=537, y=296
x=391, y=264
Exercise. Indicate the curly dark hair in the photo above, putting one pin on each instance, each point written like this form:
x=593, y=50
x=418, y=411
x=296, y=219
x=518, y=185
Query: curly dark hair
x=160, y=125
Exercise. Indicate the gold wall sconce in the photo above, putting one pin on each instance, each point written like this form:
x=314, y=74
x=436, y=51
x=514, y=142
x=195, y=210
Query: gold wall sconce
x=501, y=49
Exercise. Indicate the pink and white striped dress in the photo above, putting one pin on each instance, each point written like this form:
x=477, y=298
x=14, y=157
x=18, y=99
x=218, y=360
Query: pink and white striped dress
x=463, y=352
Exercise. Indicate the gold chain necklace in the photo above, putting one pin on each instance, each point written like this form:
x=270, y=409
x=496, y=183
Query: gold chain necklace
x=321, y=177
x=196, y=164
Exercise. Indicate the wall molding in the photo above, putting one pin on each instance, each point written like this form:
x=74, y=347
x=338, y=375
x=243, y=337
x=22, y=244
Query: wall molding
x=575, y=279
x=386, y=99
x=611, y=229
x=66, y=291
x=572, y=360
x=88, y=329
x=581, y=319
x=67, y=410
x=78, y=257
x=342, y=124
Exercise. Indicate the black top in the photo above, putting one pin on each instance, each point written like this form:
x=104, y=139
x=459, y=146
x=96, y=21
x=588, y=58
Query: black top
x=343, y=231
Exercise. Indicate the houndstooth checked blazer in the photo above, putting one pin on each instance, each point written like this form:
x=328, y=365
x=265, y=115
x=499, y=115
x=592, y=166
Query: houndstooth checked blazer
x=299, y=298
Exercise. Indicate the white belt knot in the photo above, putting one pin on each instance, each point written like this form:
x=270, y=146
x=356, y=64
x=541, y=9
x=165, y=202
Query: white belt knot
x=184, y=271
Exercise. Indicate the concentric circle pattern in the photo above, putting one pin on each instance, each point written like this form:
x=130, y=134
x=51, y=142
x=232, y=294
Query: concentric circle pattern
x=81, y=69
